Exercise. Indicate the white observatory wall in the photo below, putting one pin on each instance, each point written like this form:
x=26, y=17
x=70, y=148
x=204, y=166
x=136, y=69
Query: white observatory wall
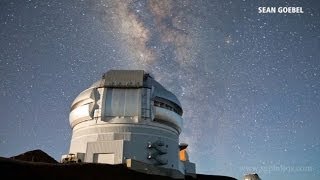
x=86, y=111
x=137, y=147
x=113, y=124
x=169, y=117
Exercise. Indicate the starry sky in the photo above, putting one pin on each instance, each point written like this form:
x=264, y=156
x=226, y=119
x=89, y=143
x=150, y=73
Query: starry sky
x=249, y=83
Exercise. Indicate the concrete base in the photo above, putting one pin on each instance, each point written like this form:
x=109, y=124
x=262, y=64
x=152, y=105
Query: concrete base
x=190, y=169
x=151, y=169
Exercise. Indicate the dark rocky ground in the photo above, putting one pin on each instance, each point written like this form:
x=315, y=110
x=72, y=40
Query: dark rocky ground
x=38, y=164
x=35, y=156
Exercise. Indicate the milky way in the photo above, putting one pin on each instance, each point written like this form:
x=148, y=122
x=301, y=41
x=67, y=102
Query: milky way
x=153, y=32
x=162, y=38
x=249, y=83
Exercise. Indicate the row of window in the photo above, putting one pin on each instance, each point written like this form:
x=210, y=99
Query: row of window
x=166, y=106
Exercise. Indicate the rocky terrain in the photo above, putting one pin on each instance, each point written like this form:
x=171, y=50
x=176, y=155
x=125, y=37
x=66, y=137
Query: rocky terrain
x=38, y=164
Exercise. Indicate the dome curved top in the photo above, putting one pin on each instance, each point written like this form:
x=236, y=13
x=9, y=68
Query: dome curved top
x=135, y=79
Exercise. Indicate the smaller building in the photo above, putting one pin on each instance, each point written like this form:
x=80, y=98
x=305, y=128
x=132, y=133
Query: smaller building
x=253, y=176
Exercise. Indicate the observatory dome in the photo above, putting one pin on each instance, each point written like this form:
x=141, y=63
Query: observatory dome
x=127, y=115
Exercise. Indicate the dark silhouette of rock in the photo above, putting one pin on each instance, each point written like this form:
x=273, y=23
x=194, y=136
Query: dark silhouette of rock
x=29, y=165
x=35, y=156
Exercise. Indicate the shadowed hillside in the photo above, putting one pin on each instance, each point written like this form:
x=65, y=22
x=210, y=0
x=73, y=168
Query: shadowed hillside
x=35, y=156
x=43, y=166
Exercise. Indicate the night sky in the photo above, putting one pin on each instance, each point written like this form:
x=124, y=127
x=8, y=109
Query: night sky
x=249, y=83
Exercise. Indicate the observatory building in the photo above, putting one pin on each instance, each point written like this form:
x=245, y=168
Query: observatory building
x=129, y=118
x=253, y=176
